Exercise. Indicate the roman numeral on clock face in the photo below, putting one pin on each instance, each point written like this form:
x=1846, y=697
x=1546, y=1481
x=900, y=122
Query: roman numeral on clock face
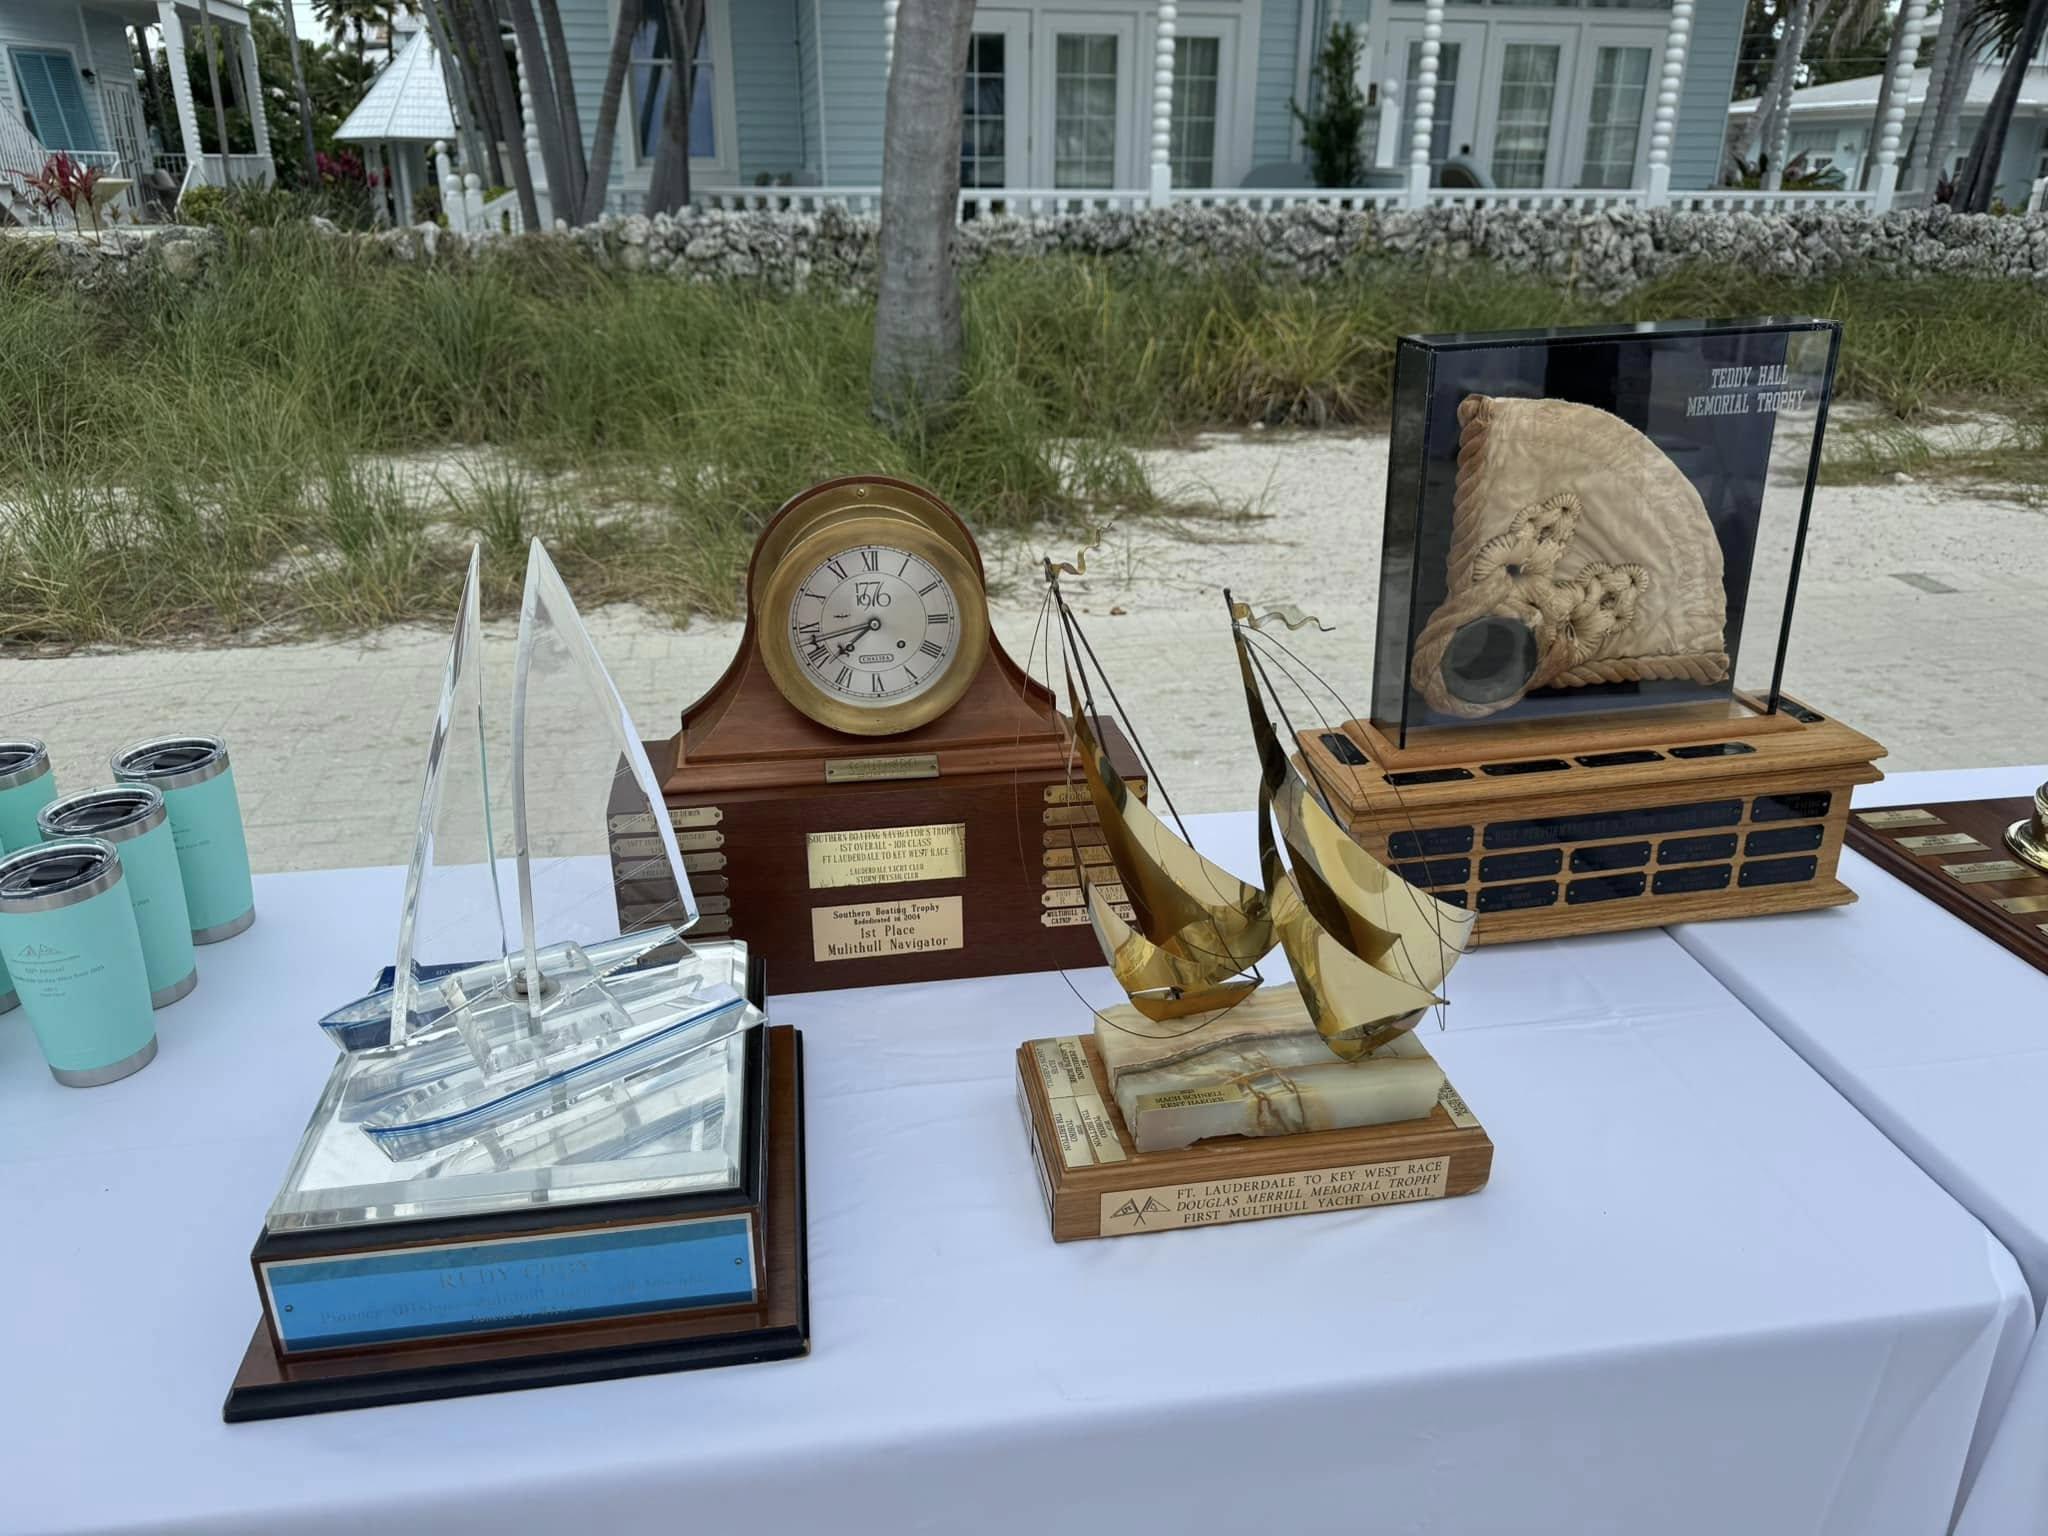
x=871, y=559
x=932, y=648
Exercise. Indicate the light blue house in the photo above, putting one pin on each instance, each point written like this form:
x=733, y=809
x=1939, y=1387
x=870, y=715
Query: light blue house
x=1103, y=97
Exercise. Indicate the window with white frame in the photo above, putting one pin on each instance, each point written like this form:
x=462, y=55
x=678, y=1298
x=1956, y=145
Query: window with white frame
x=53, y=99
x=1614, y=124
x=1084, y=110
x=1528, y=97
x=653, y=71
x=1197, y=85
x=985, y=113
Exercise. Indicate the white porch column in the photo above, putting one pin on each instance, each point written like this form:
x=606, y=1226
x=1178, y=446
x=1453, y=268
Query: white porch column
x=252, y=89
x=1912, y=15
x=1425, y=104
x=1387, y=150
x=181, y=82
x=1664, y=126
x=1162, y=104
x=537, y=166
x=889, y=8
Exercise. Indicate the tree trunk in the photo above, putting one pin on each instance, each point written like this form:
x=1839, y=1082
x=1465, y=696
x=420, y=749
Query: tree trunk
x=1805, y=16
x=608, y=102
x=1920, y=151
x=156, y=90
x=563, y=191
x=918, y=339
x=291, y=37
x=1955, y=90
x=565, y=102
x=1977, y=181
x=220, y=113
x=668, y=184
x=1884, y=99
x=455, y=80
x=461, y=26
x=496, y=76
x=1750, y=135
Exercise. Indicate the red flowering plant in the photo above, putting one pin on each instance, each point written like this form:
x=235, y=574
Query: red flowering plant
x=62, y=183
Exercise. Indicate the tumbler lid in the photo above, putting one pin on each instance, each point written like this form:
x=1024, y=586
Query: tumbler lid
x=60, y=874
x=22, y=759
x=172, y=762
x=115, y=814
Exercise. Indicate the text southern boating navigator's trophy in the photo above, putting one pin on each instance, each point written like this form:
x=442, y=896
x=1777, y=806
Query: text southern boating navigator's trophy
x=550, y=1150
x=1212, y=1096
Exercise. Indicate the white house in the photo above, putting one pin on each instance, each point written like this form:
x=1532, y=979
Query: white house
x=1133, y=102
x=68, y=82
x=1831, y=124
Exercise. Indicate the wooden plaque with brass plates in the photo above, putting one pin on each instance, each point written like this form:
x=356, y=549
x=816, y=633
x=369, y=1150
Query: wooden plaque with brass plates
x=1986, y=861
x=874, y=791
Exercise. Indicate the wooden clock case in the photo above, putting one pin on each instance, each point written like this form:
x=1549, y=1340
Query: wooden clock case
x=753, y=780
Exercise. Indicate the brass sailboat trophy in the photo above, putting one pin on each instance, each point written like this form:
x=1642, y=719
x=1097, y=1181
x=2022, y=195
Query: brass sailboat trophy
x=1213, y=1095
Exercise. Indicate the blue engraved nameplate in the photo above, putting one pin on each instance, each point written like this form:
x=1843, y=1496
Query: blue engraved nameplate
x=442, y=1290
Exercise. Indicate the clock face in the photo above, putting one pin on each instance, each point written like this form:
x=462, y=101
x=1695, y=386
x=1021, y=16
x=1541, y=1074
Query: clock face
x=875, y=626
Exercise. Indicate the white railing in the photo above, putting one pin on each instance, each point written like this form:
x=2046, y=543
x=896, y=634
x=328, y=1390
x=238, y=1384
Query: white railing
x=1033, y=202
x=1746, y=200
x=212, y=171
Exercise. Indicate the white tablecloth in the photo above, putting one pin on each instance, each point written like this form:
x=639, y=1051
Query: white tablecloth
x=1940, y=1036
x=1700, y=1295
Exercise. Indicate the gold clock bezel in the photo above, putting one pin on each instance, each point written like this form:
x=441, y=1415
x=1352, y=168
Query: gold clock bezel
x=836, y=531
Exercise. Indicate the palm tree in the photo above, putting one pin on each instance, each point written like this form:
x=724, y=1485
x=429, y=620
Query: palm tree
x=291, y=32
x=220, y=112
x=1941, y=112
x=668, y=183
x=340, y=16
x=918, y=336
x=2018, y=26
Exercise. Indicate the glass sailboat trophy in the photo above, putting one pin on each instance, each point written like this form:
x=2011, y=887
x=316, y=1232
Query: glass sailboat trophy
x=528, y=1077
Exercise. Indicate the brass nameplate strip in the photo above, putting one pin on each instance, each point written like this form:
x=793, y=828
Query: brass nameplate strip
x=2020, y=905
x=1212, y=1202
x=1080, y=1120
x=1078, y=898
x=886, y=855
x=714, y=906
x=864, y=770
x=1942, y=842
x=867, y=932
x=657, y=872
x=1997, y=869
x=679, y=817
x=708, y=927
x=650, y=847
x=702, y=863
x=1071, y=816
x=1899, y=818
x=1456, y=1107
x=1075, y=917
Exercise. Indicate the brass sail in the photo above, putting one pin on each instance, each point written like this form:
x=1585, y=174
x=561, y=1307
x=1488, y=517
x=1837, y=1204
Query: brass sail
x=1198, y=927
x=1367, y=949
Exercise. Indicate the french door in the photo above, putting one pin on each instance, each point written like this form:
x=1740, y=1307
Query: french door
x=1085, y=97
x=1528, y=71
x=1455, y=117
x=995, y=128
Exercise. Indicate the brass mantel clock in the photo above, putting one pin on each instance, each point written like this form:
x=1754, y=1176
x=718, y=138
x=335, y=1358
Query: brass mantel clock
x=873, y=791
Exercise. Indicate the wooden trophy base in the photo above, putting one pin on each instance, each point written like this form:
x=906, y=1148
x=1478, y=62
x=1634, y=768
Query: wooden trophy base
x=271, y=1384
x=1547, y=830
x=1096, y=1183
x=1955, y=854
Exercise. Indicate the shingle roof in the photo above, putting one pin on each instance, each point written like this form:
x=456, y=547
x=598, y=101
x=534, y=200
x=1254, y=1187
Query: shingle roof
x=407, y=102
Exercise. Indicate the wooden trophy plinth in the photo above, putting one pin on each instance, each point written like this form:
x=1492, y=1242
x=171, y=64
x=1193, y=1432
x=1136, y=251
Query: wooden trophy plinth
x=1546, y=830
x=1096, y=1183
x=585, y=1328
x=1956, y=854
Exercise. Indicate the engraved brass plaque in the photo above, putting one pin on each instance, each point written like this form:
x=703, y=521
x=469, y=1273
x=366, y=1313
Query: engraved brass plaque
x=1212, y=1202
x=886, y=855
x=1996, y=869
x=866, y=770
x=2019, y=906
x=876, y=929
x=1942, y=842
x=679, y=817
x=1080, y=1121
x=650, y=847
x=1898, y=818
x=1456, y=1107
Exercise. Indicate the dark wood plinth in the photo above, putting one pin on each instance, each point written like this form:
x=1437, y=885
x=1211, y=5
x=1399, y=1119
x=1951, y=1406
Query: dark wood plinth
x=1976, y=902
x=1549, y=829
x=776, y=1328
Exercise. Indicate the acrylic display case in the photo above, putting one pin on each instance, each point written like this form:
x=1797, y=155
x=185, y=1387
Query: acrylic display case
x=1590, y=557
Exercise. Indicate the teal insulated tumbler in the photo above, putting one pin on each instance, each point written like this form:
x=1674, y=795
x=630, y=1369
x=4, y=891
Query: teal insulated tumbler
x=133, y=819
x=26, y=785
x=69, y=934
x=198, y=787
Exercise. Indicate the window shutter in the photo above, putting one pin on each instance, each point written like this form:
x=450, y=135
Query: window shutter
x=55, y=99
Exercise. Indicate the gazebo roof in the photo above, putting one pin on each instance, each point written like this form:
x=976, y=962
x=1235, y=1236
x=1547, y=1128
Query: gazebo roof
x=406, y=103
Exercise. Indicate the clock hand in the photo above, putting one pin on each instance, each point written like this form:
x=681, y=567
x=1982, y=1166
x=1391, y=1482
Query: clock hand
x=849, y=645
x=833, y=634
